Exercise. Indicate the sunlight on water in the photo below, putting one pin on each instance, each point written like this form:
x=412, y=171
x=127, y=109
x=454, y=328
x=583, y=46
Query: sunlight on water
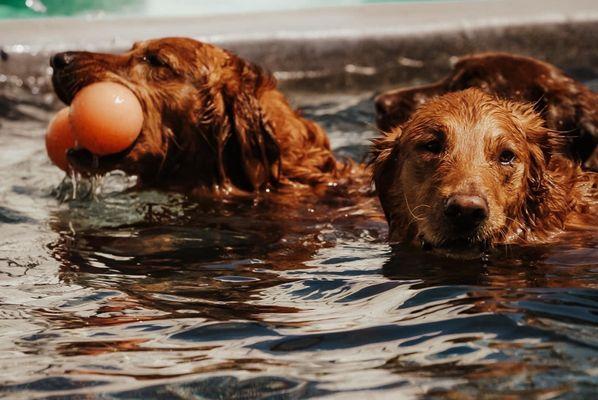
x=112, y=292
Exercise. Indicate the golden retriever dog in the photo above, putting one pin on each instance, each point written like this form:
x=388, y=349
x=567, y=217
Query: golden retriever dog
x=212, y=120
x=468, y=169
x=565, y=104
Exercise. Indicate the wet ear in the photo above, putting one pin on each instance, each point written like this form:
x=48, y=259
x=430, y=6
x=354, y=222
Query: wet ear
x=545, y=144
x=250, y=151
x=395, y=107
x=546, y=185
x=381, y=151
x=391, y=109
x=587, y=143
x=384, y=160
x=465, y=74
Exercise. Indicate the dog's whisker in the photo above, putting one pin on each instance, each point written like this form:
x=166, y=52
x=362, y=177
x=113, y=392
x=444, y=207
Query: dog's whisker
x=415, y=217
x=421, y=206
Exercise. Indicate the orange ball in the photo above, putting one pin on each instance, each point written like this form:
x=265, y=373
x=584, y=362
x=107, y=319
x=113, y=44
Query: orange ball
x=59, y=138
x=106, y=118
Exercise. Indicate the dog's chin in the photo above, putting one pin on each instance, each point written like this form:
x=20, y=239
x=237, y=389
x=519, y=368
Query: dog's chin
x=465, y=248
x=65, y=95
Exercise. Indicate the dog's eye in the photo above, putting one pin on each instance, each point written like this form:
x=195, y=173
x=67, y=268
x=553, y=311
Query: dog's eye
x=154, y=60
x=506, y=157
x=432, y=146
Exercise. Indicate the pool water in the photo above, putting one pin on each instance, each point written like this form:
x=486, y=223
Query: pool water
x=129, y=294
x=160, y=8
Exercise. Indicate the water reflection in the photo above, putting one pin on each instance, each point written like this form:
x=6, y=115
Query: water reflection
x=151, y=294
x=195, y=258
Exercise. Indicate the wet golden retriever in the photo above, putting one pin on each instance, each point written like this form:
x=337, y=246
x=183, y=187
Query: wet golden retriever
x=470, y=169
x=212, y=120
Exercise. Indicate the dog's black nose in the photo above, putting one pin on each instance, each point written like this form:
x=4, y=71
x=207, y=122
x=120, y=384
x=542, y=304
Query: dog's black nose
x=61, y=60
x=465, y=211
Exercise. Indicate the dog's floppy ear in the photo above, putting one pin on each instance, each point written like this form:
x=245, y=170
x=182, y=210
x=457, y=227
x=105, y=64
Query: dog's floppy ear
x=381, y=152
x=547, y=186
x=396, y=106
x=587, y=141
x=384, y=160
x=250, y=151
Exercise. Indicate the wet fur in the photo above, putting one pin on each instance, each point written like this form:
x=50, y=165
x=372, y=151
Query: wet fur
x=566, y=105
x=213, y=121
x=529, y=201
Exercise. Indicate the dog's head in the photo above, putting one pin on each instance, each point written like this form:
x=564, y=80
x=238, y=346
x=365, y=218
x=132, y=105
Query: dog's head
x=467, y=168
x=203, y=122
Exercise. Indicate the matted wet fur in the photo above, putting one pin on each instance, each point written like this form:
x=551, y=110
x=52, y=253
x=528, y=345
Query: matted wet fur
x=469, y=169
x=565, y=104
x=212, y=121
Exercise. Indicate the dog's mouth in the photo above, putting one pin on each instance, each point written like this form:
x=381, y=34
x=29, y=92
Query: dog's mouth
x=66, y=86
x=458, y=243
x=67, y=83
x=87, y=163
x=453, y=238
x=65, y=92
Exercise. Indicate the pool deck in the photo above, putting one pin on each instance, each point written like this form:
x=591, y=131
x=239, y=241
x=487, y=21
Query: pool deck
x=405, y=19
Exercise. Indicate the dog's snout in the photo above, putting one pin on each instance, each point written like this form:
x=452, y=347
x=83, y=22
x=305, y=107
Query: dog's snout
x=61, y=60
x=466, y=211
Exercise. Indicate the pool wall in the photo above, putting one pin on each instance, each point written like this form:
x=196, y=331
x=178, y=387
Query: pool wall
x=344, y=47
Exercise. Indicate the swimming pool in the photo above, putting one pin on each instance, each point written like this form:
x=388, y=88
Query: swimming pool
x=131, y=294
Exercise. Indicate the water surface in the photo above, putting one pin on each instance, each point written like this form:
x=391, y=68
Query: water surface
x=141, y=294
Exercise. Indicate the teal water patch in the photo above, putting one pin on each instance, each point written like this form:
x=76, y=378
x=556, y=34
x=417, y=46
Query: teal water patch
x=13, y=9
